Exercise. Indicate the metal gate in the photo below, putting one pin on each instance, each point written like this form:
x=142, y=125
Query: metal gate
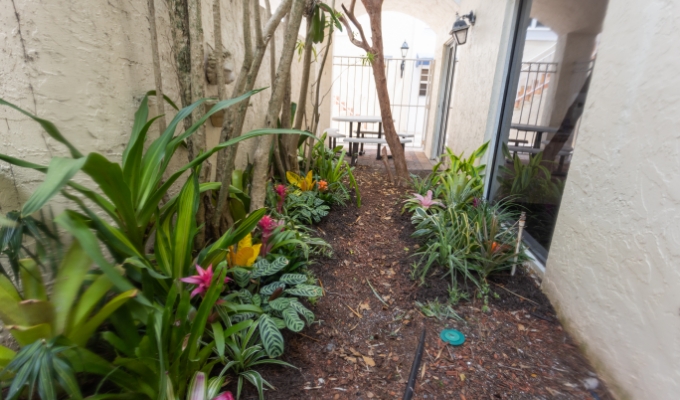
x=409, y=82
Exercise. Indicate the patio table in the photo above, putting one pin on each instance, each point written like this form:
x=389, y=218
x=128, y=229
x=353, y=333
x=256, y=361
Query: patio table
x=534, y=128
x=361, y=119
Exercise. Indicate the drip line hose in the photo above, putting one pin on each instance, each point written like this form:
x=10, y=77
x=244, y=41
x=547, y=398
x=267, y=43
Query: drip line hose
x=410, y=386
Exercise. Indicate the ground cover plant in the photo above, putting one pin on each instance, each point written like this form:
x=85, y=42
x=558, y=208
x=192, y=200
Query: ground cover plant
x=133, y=300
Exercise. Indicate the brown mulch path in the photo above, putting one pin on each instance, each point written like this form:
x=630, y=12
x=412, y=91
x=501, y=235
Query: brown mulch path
x=362, y=349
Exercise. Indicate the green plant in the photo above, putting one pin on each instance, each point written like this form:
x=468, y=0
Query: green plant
x=531, y=182
x=244, y=353
x=40, y=365
x=331, y=167
x=306, y=207
x=438, y=310
x=129, y=192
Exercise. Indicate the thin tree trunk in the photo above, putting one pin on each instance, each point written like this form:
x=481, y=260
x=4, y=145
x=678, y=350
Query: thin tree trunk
x=233, y=125
x=259, y=186
x=272, y=46
x=160, y=102
x=398, y=156
x=374, y=11
x=292, y=140
x=179, y=22
x=196, y=141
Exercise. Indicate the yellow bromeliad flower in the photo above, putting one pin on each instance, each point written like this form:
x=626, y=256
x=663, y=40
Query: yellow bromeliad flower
x=245, y=254
x=305, y=184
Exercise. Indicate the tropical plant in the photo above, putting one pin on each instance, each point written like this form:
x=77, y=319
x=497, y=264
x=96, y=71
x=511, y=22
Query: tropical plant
x=530, y=182
x=241, y=352
x=129, y=193
x=306, y=207
x=37, y=368
x=331, y=168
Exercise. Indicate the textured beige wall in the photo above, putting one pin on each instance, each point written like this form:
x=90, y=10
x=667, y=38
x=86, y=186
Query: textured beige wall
x=85, y=65
x=614, y=268
x=479, y=75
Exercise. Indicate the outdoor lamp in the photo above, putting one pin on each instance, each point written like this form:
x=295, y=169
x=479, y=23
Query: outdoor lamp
x=404, y=52
x=461, y=27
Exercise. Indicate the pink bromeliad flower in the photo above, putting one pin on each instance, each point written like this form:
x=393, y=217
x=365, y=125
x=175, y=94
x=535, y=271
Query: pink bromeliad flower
x=426, y=201
x=268, y=225
x=224, y=396
x=281, y=192
x=202, y=280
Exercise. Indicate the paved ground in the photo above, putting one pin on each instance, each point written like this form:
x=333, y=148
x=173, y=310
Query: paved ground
x=415, y=159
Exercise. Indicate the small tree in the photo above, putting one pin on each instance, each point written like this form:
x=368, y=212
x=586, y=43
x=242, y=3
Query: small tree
x=374, y=11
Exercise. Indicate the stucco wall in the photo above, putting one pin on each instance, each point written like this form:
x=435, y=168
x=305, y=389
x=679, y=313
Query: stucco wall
x=479, y=75
x=614, y=268
x=85, y=65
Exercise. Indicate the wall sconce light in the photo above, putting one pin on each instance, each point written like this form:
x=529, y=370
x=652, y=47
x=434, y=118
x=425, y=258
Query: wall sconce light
x=461, y=27
x=404, y=52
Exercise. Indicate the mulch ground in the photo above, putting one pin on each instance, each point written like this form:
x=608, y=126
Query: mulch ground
x=363, y=349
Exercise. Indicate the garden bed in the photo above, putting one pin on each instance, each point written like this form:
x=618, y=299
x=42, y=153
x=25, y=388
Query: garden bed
x=517, y=350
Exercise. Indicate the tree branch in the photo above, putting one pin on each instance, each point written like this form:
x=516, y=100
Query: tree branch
x=258, y=24
x=363, y=43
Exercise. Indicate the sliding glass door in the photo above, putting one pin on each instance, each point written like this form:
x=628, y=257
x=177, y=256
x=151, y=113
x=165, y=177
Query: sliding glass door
x=553, y=55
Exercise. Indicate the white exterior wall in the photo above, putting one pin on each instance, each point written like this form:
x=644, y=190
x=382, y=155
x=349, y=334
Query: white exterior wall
x=479, y=75
x=87, y=66
x=613, y=272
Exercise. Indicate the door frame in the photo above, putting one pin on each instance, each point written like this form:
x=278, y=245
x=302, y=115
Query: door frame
x=444, y=98
x=511, y=78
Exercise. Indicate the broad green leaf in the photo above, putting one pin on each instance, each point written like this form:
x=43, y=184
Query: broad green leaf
x=293, y=279
x=6, y=355
x=280, y=304
x=272, y=340
x=81, y=335
x=305, y=291
x=9, y=299
x=269, y=289
x=281, y=324
x=297, y=306
x=185, y=227
x=49, y=127
x=59, y=173
x=26, y=335
x=67, y=284
x=218, y=334
x=32, y=280
x=109, y=177
x=77, y=227
x=236, y=328
x=87, y=302
x=37, y=312
x=241, y=276
x=293, y=322
x=265, y=268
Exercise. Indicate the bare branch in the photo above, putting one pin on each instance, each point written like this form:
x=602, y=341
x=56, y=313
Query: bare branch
x=273, y=22
x=363, y=43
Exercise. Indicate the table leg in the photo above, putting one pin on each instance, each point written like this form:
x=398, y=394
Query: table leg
x=355, y=154
x=359, y=134
x=351, y=126
x=537, y=140
x=378, y=156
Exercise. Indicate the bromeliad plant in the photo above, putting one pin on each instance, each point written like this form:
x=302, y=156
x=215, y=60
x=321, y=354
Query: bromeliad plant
x=129, y=192
x=333, y=171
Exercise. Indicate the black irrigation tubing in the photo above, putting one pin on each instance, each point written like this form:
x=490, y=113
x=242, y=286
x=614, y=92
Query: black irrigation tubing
x=410, y=386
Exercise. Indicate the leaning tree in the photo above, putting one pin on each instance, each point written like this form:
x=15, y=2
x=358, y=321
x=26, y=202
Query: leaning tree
x=375, y=53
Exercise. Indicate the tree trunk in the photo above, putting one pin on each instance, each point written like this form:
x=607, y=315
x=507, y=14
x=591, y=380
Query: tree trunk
x=291, y=142
x=233, y=121
x=373, y=8
x=196, y=142
x=179, y=21
x=261, y=166
x=160, y=102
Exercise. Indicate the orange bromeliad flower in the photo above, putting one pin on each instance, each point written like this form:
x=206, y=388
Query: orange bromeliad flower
x=323, y=185
x=245, y=254
x=305, y=184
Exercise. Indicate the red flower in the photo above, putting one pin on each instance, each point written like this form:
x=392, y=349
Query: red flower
x=202, y=280
x=224, y=396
